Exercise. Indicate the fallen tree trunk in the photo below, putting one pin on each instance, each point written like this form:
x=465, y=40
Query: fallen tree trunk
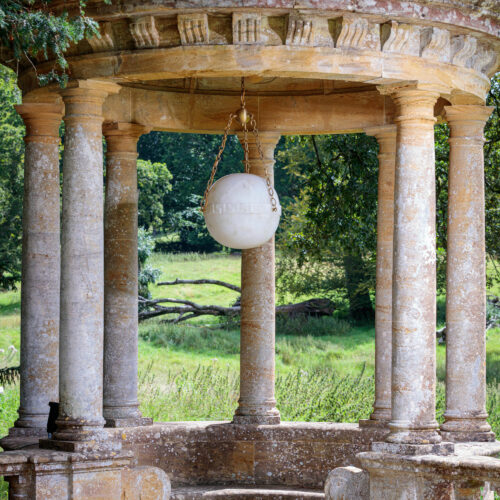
x=186, y=309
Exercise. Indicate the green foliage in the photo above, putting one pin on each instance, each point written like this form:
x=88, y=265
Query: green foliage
x=334, y=216
x=31, y=34
x=11, y=181
x=147, y=274
x=192, y=230
x=153, y=182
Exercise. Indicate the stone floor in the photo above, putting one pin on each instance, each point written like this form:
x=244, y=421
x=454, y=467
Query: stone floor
x=264, y=492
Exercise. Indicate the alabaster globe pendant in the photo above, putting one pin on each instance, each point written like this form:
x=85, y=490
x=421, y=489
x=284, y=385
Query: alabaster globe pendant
x=239, y=213
x=241, y=210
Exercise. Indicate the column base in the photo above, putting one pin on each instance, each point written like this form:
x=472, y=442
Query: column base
x=128, y=422
x=467, y=429
x=403, y=432
x=28, y=420
x=410, y=449
x=105, y=445
x=257, y=413
x=468, y=436
x=257, y=419
x=369, y=422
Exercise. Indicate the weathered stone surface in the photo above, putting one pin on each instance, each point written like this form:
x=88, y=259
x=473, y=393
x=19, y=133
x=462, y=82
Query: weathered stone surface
x=290, y=454
x=386, y=136
x=347, y=483
x=120, y=405
x=257, y=404
x=40, y=268
x=82, y=262
x=145, y=483
x=414, y=277
x=465, y=415
x=433, y=477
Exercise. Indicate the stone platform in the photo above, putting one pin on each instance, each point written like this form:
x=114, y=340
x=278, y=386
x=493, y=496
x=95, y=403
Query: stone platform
x=292, y=454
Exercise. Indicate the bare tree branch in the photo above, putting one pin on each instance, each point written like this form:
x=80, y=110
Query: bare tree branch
x=201, y=282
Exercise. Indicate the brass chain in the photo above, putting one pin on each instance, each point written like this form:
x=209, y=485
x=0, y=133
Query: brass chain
x=270, y=188
x=232, y=116
x=243, y=114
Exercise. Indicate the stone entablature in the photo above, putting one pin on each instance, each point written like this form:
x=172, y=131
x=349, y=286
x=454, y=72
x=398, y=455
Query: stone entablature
x=136, y=48
x=347, y=32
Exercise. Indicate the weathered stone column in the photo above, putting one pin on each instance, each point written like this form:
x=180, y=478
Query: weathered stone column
x=82, y=263
x=257, y=404
x=40, y=267
x=121, y=408
x=413, y=418
x=465, y=415
x=386, y=137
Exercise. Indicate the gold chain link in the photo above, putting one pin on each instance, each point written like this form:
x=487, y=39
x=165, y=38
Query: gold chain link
x=270, y=188
x=246, y=161
x=232, y=116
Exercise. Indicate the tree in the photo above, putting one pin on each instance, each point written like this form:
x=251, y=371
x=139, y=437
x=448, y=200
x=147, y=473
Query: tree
x=11, y=180
x=153, y=181
x=334, y=216
x=30, y=34
x=332, y=223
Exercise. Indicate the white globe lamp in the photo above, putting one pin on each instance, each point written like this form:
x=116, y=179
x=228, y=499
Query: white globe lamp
x=239, y=213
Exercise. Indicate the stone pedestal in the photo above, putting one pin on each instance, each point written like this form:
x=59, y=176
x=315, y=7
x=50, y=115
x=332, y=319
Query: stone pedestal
x=257, y=404
x=465, y=415
x=386, y=137
x=414, y=277
x=121, y=408
x=40, y=268
x=82, y=274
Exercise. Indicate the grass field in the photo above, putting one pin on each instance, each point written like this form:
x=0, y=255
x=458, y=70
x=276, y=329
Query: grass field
x=190, y=371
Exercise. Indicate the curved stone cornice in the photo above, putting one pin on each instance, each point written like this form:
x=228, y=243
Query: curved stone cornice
x=297, y=43
x=481, y=15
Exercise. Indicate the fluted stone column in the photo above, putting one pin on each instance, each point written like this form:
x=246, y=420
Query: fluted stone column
x=465, y=415
x=40, y=267
x=82, y=265
x=413, y=418
x=121, y=408
x=386, y=137
x=257, y=404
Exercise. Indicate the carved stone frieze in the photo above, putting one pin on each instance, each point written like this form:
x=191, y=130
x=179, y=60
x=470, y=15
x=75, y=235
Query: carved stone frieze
x=484, y=60
x=463, y=47
x=358, y=33
x=436, y=44
x=193, y=29
x=247, y=28
x=105, y=42
x=144, y=32
x=401, y=38
x=308, y=31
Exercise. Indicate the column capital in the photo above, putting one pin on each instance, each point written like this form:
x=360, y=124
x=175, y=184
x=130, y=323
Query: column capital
x=122, y=137
x=84, y=98
x=267, y=139
x=468, y=113
x=42, y=121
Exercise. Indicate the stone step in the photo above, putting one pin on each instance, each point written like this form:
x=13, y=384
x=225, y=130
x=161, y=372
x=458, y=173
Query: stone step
x=237, y=492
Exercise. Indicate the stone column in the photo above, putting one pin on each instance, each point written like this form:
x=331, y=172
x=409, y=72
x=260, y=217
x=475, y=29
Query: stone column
x=386, y=137
x=121, y=408
x=257, y=404
x=413, y=418
x=82, y=265
x=465, y=415
x=40, y=267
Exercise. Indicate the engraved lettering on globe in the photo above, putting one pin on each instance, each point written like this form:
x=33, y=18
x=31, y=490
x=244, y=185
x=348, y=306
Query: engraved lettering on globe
x=238, y=212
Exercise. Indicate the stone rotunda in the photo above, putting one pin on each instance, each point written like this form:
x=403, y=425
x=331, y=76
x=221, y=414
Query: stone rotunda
x=390, y=68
